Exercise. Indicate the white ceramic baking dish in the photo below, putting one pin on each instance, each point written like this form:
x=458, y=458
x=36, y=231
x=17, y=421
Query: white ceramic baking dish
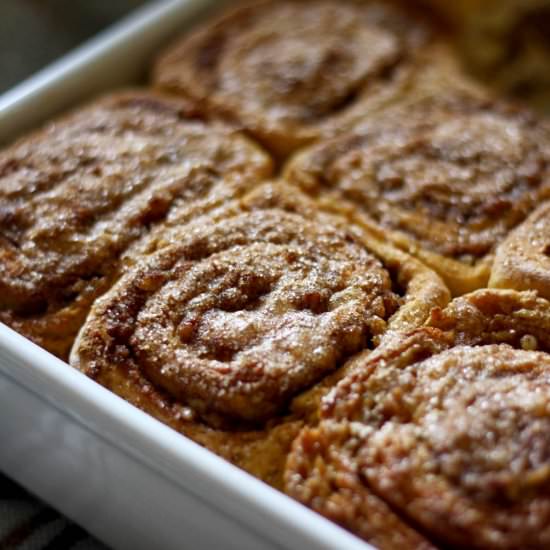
x=128, y=479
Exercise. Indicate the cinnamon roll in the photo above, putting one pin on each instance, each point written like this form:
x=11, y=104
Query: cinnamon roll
x=291, y=71
x=522, y=261
x=73, y=196
x=227, y=323
x=446, y=426
x=445, y=180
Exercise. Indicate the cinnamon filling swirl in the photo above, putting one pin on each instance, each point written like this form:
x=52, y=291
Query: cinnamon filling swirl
x=450, y=177
x=448, y=429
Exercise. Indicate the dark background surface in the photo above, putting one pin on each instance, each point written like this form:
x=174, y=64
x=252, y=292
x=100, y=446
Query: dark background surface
x=34, y=33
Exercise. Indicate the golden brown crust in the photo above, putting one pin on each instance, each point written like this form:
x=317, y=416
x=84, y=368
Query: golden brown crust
x=292, y=71
x=447, y=425
x=444, y=179
x=74, y=195
x=522, y=261
x=231, y=326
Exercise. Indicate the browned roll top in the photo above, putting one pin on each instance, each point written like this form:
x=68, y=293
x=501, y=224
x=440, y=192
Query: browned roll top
x=450, y=429
x=287, y=70
x=448, y=178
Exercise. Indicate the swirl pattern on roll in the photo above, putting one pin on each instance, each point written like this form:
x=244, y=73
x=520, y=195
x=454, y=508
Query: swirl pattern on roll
x=445, y=426
x=76, y=194
x=290, y=71
x=504, y=44
x=448, y=179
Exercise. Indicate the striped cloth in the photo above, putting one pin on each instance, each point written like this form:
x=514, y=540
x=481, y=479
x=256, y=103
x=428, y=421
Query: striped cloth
x=28, y=524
